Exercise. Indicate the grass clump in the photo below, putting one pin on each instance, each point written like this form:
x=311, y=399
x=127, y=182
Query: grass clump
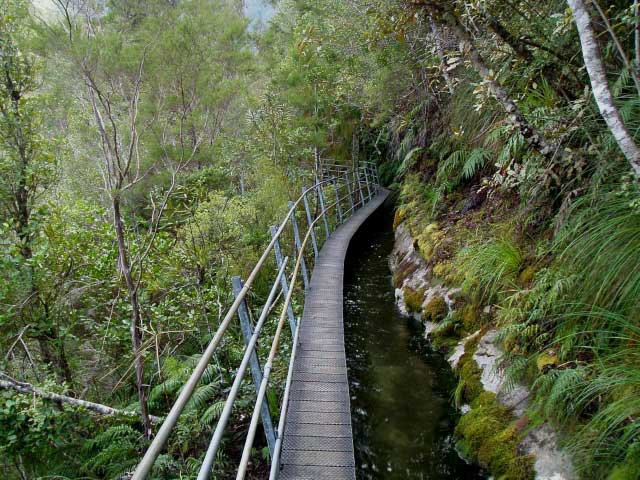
x=490, y=267
x=488, y=435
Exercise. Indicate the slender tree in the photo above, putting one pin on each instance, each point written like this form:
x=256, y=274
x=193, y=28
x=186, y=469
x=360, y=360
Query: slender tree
x=600, y=85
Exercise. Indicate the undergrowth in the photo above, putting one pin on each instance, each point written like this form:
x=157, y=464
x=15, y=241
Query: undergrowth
x=563, y=293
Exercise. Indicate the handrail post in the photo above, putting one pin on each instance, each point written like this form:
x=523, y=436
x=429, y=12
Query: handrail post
x=256, y=371
x=357, y=176
x=338, y=207
x=366, y=179
x=293, y=324
x=296, y=238
x=373, y=180
x=374, y=174
x=314, y=242
x=348, y=184
x=324, y=217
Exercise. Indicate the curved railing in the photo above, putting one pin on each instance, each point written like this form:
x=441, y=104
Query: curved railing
x=349, y=189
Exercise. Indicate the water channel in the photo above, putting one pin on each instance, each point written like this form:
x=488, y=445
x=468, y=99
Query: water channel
x=401, y=389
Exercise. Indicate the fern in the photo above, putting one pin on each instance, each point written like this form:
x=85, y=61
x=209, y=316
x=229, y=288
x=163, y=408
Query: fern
x=474, y=163
x=212, y=413
x=201, y=396
x=113, y=452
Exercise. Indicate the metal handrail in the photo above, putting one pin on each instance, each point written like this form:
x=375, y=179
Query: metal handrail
x=152, y=453
x=228, y=405
x=267, y=369
x=148, y=460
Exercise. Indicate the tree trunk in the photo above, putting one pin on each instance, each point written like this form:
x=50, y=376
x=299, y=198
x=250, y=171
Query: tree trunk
x=528, y=131
x=600, y=84
x=636, y=39
x=27, y=388
x=136, y=320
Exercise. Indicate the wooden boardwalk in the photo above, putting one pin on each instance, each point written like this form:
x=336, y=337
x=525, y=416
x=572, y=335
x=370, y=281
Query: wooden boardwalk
x=318, y=440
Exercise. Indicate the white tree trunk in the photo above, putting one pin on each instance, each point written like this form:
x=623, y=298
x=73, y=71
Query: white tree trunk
x=27, y=388
x=600, y=85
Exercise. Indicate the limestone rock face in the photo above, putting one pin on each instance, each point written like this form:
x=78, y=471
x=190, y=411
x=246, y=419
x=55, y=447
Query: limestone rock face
x=413, y=273
x=551, y=463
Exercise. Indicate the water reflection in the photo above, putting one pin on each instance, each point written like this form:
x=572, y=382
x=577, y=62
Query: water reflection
x=400, y=388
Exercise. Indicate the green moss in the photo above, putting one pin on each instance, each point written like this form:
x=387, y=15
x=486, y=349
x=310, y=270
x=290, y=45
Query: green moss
x=469, y=384
x=435, y=310
x=413, y=299
x=445, y=335
x=427, y=240
x=488, y=434
x=399, y=217
x=440, y=270
x=470, y=316
x=625, y=472
x=546, y=361
x=526, y=276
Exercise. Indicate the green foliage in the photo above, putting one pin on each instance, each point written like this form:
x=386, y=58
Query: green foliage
x=461, y=165
x=238, y=118
x=113, y=452
x=600, y=224
x=490, y=268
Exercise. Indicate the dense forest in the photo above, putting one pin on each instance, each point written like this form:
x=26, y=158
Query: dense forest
x=146, y=147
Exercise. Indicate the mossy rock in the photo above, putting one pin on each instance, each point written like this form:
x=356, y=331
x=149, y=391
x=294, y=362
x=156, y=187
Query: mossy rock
x=413, y=299
x=441, y=270
x=447, y=272
x=403, y=270
x=445, y=336
x=425, y=241
x=435, y=310
x=469, y=385
x=399, y=217
x=488, y=434
x=470, y=316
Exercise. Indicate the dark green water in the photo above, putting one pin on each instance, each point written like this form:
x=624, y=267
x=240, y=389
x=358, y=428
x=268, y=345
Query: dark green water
x=400, y=388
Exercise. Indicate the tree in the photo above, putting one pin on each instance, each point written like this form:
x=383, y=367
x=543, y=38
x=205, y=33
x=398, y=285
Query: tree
x=600, y=84
x=27, y=169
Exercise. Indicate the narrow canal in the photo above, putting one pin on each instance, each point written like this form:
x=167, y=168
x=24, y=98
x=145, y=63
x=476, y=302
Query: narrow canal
x=400, y=388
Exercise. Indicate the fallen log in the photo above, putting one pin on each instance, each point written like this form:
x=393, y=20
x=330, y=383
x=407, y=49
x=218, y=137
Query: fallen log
x=104, y=410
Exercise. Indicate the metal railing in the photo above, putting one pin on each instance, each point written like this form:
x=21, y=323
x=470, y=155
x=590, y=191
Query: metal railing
x=349, y=189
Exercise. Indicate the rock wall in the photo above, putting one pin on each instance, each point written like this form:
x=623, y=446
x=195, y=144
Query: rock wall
x=412, y=273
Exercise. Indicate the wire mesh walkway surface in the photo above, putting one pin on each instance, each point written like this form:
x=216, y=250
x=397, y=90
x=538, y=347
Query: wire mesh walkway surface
x=318, y=441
